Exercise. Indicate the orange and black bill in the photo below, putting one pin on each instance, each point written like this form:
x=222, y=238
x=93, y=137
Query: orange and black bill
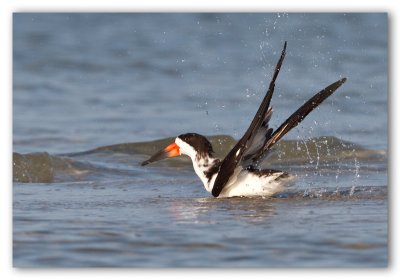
x=170, y=151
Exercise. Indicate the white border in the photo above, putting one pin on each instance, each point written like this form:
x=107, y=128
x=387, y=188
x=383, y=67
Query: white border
x=7, y=7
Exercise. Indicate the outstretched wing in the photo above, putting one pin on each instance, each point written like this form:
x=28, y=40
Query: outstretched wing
x=259, y=138
x=297, y=117
x=234, y=157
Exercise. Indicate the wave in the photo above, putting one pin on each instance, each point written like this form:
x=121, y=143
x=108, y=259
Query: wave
x=45, y=168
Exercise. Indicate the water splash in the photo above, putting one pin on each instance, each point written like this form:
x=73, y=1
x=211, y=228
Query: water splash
x=356, y=176
x=307, y=151
x=318, y=157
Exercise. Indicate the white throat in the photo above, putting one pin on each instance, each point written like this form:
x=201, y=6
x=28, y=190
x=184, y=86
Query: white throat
x=201, y=165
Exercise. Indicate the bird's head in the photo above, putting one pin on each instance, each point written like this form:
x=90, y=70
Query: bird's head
x=191, y=144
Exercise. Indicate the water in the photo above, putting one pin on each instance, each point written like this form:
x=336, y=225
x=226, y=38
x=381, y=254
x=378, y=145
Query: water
x=91, y=93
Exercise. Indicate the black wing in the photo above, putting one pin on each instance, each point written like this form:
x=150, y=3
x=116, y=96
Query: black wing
x=259, y=138
x=234, y=157
x=298, y=116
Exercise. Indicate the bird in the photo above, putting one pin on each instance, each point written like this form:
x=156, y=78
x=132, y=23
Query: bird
x=240, y=174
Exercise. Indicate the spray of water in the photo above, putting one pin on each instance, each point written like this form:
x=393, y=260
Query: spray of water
x=356, y=176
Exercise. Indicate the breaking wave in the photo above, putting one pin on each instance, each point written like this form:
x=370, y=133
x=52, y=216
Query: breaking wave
x=45, y=168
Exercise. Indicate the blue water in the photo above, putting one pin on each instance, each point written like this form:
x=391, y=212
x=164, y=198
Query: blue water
x=83, y=81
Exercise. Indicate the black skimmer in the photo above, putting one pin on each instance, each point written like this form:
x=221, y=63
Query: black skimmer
x=239, y=173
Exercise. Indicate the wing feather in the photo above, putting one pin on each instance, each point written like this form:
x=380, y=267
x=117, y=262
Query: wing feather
x=259, y=138
x=298, y=116
x=234, y=157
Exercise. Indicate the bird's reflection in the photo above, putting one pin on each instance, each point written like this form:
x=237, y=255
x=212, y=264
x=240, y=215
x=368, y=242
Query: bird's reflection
x=213, y=211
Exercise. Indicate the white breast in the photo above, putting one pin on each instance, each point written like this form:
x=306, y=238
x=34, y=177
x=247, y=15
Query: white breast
x=250, y=184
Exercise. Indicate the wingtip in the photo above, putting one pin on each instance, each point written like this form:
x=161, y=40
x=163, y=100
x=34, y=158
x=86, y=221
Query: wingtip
x=339, y=83
x=284, y=47
x=214, y=193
